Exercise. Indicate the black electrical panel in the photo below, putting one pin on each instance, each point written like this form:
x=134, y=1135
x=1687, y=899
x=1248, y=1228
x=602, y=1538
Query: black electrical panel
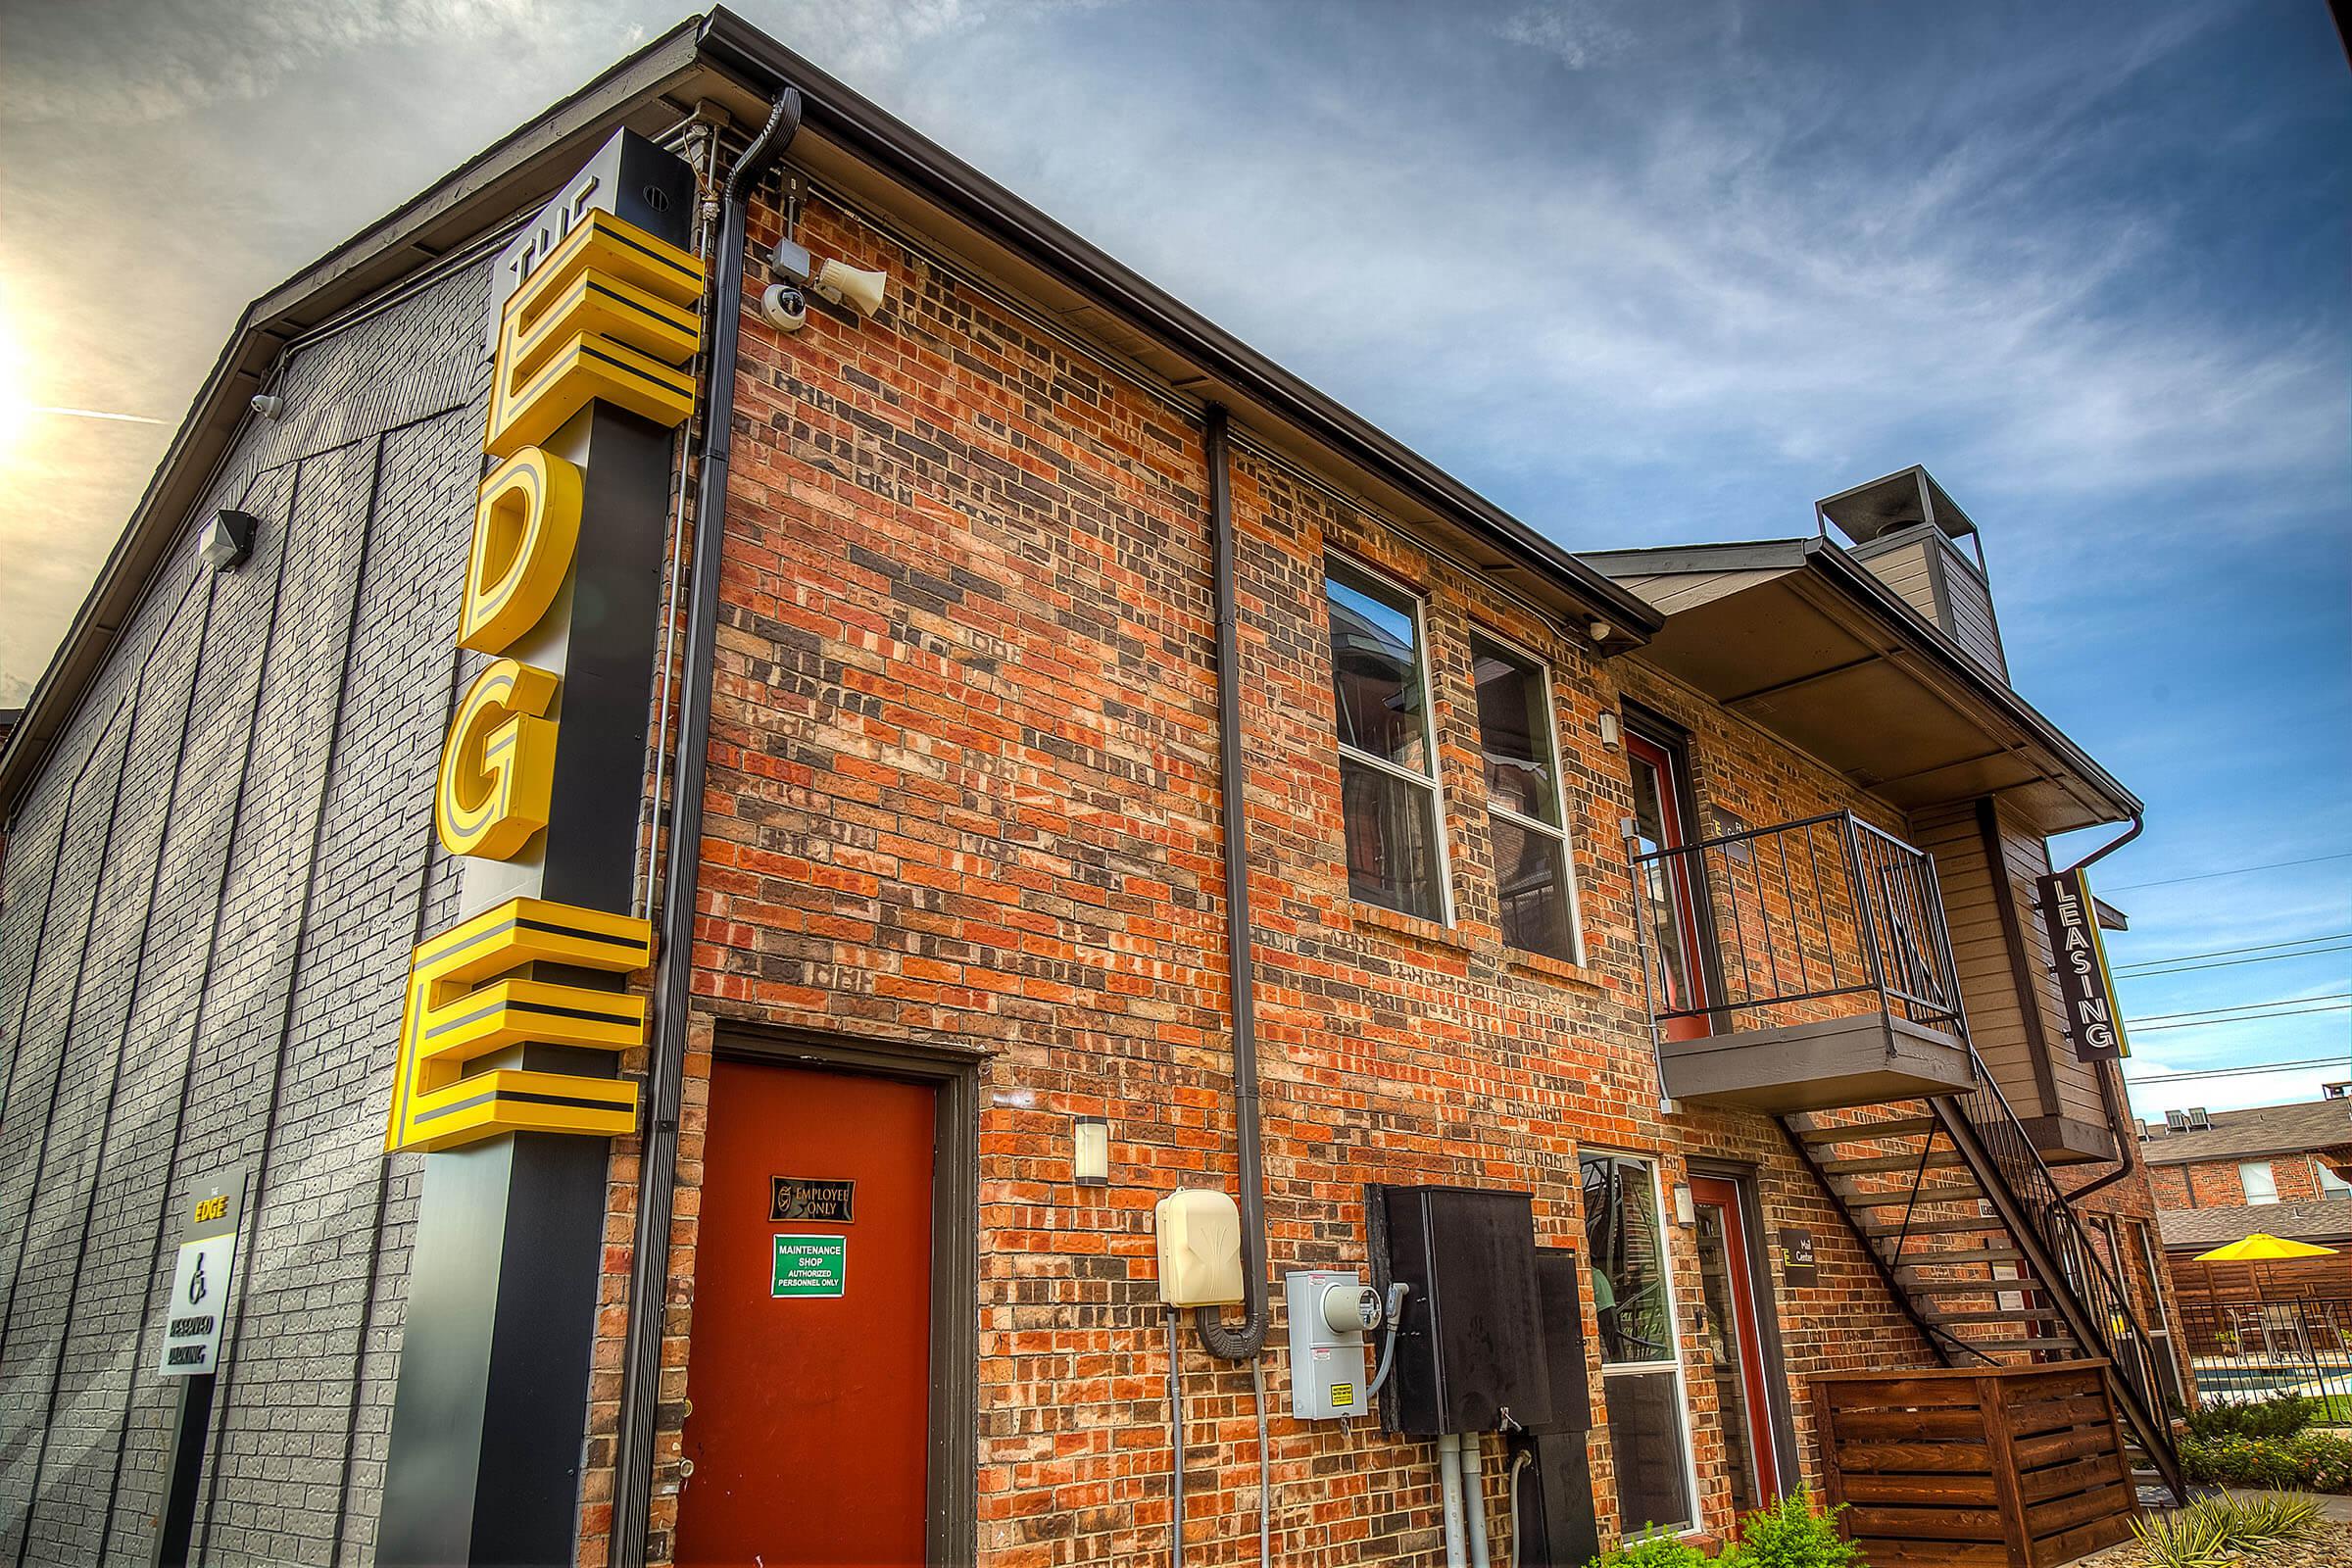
x=1555, y=1527
x=1470, y=1340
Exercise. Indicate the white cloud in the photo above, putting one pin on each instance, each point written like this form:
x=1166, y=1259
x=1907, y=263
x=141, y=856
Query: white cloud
x=1572, y=33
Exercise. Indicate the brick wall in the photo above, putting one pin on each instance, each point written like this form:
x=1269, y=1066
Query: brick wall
x=963, y=795
x=210, y=894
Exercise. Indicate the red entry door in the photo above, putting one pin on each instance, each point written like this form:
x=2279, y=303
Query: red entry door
x=809, y=1366
x=1663, y=885
x=1735, y=1351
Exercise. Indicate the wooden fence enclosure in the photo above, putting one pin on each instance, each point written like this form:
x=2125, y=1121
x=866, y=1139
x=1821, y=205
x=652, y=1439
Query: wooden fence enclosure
x=1975, y=1467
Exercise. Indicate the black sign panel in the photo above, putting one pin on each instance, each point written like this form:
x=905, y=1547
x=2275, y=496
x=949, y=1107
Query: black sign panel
x=831, y=1202
x=1797, y=1267
x=2085, y=988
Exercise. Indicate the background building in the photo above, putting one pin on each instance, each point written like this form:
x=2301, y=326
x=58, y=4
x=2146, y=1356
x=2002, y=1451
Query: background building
x=2221, y=1176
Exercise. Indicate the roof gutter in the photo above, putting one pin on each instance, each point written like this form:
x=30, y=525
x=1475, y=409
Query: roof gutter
x=841, y=116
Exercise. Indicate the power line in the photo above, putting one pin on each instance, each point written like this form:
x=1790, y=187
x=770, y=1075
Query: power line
x=2254, y=1017
x=2129, y=973
x=2235, y=870
x=2231, y=1072
x=2242, y=1006
x=2223, y=952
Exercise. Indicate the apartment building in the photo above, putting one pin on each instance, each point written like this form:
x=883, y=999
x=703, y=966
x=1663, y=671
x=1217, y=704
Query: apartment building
x=2221, y=1176
x=754, y=862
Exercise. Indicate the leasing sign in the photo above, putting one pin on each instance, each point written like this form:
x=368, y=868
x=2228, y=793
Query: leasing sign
x=2085, y=987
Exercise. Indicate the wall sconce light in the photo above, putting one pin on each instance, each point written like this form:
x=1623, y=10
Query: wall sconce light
x=1089, y=1152
x=1685, y=1211
x=1612, y=732
x=226, y=540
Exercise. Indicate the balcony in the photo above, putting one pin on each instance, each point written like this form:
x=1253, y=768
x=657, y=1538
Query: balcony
x=1799, y=967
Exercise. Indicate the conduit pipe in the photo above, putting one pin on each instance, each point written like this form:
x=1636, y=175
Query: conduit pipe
x=1474, y=1494
x=1243, y=1341
x=1450, y=1498
x=673, y=967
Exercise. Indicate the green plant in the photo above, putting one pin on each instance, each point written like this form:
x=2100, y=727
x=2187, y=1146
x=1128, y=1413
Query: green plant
x=2214, y=1530
x=1652, y=1549
x=2280, y=1416
x=2315, y=1462
x=1793, y=1533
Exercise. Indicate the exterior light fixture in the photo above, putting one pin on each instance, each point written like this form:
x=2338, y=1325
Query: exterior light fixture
x=1089, y=1152
x=1685, y=1212
x=1601, y=631
x=269, y=406
x=226, y=540
x=1612, y=732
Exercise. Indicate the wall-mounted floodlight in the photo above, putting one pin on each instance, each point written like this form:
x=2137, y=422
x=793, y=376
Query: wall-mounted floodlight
x=226, y=540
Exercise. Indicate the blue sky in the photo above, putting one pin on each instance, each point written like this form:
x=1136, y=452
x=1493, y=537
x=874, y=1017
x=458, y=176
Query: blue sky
x=1642, y=273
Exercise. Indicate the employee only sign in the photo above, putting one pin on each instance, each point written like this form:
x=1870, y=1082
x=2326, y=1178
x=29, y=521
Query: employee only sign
x=2070, y=916
x=811, y=1267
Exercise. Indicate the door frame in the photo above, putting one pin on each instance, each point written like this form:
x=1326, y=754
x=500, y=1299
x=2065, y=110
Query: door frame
x=951, y=1485
x=1662, y=734
x=1788, y=1459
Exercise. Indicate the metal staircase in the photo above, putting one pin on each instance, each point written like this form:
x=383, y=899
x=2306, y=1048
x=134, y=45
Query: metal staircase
x=1829, y=929
x=1981, y=1246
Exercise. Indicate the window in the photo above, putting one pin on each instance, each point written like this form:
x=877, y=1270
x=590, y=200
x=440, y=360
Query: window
x=2331, y=1184
x=1535, y=888
x=2261, y=1186
x=1641, y=1357
x=1388, y=754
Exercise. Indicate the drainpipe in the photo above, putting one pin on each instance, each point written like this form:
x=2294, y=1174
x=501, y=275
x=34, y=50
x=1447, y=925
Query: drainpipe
x=673, y=969
x=2119, y=1116
x=1240, y=1343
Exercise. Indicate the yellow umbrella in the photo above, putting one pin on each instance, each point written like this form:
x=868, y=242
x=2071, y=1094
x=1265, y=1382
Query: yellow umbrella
x=2263, y=1248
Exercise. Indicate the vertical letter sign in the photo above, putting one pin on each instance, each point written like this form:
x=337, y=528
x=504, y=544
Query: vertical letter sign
x=2084, y=987
x=511, y=1008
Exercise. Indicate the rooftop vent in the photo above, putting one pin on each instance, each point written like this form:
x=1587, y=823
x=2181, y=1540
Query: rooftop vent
x=2341, y=1089
x=2139, y=1125
x=1907, y=531
x=2175, y=1121
x=2198, y=1121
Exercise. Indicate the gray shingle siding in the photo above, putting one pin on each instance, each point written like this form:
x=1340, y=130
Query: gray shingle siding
x=210, y=894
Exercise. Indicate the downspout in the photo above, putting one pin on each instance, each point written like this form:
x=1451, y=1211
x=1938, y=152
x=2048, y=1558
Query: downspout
x=673, y=968
x=1242, y=1341
x=2118, y=1119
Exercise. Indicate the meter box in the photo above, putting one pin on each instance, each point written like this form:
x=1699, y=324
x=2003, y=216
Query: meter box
x=1470, y=1338
x=1330, y=1313
x=1200, y=1235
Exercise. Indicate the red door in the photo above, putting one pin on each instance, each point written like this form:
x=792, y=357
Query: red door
x=1668, y=915
x=1735, y=1351
x=809, y=1366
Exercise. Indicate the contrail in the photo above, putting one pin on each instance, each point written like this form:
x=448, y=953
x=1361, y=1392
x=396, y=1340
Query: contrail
x=93, y=414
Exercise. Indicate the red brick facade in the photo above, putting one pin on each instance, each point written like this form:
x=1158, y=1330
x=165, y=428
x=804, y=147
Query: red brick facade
x=963, y=797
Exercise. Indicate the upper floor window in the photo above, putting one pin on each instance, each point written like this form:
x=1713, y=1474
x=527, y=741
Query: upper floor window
x=1388, y=749
x=2331, y=1184
x=2261, y=1186
x=1535, y=888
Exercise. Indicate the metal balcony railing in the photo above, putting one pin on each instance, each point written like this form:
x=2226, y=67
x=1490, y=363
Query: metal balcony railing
x=1796, y=923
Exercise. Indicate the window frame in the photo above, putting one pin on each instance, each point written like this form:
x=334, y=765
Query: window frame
x=2270, y=1175
x=2325, y=1182
x=1434, y=780
x=1674, y=1317
x=1562, y=835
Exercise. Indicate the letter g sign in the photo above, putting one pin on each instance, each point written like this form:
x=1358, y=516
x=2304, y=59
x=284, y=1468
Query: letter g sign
x=497, y=767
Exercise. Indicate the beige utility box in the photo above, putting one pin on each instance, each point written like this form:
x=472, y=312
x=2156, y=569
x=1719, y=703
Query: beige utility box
x=1199, y=1247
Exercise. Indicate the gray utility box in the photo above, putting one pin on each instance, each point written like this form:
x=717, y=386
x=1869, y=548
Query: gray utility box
x=1470, y=1340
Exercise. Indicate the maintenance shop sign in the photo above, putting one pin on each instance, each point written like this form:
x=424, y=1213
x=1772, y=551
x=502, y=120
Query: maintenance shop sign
x=811, y=1267
x=2086, y=987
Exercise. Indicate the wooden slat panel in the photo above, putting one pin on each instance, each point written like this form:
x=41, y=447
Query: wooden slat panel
x=1950, y=1458
x=2058, y=1480
x=1927, y=1524
x=1897, y=1426
x=2064, y=1513
x=1885, y=1553
x=2053, y=1415
x=1903, y=1489
x=2061, y=1548
x=2033, y=1454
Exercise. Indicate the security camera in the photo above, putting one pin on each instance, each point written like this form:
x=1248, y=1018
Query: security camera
x=784, y=307
x=269, y=404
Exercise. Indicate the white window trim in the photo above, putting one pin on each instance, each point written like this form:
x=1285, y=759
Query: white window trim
x=2327, y=1182
x=1674, y=1317
x=1433, y=780
x=1560, y=787
x=2269, y=1172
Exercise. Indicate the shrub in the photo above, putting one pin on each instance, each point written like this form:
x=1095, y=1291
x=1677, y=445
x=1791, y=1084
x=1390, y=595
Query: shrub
x=2215, y=1529
x=1793, y=1533
x=2316, y=1461
x=1654, y=1549
x=2281, y=1416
